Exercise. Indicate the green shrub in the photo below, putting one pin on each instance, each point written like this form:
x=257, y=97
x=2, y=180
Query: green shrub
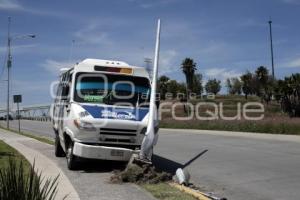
x=17, y=182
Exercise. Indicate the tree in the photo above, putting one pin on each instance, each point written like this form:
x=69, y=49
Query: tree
x=247, y=80
x=262, y=78
x=213, y=86
x=173, y=87
x=162, y=86
x=264, y=84
x=262, y=74
x=289, y=90
x=188, y=67
x=197, y=84
x=234, y=86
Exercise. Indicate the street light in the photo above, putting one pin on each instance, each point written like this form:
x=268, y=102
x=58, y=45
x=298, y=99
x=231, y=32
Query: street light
x=271, y=43
x=9, y=61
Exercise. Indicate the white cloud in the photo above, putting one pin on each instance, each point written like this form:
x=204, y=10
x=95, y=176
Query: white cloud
x=25, y=86
x=54, y=66
x=214, y=48
x=92, y=34
x=150, y=4
x=17, y=48
x=167, y=63
x=10, y=5
x=297, y=2
x=16, y=6
x=293, y=63
x=221, y=73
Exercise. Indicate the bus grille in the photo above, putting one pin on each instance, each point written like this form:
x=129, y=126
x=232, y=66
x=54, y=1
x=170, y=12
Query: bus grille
x=112, y=135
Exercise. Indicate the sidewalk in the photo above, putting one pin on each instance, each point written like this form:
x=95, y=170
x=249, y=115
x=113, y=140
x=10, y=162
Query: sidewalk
x=48, y=168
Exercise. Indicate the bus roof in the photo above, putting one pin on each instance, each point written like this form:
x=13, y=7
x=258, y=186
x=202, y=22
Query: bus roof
x=109, y=66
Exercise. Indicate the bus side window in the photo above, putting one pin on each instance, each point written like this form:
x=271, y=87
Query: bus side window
x=65, y=92
x=66, y=86
x=58, y=93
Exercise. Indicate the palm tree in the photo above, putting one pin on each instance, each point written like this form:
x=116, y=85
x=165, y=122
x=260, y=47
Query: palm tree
x=188, y=67
x=262, y=74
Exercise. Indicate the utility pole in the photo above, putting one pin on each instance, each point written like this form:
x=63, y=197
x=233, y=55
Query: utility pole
x=272, y=56
x=9, y=62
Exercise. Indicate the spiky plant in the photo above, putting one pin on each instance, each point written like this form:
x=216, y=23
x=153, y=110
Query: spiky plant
x=16, y=183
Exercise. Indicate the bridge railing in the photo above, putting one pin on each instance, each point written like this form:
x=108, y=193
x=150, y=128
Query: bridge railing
x=33, y=112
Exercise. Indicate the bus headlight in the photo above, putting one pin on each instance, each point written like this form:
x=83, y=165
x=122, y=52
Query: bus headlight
x=84, y=125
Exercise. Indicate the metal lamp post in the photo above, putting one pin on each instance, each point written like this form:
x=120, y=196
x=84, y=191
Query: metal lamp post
x=9, y=62
x=272, y=54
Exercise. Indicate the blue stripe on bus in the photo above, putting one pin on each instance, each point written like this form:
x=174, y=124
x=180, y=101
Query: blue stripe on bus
x=133, y=114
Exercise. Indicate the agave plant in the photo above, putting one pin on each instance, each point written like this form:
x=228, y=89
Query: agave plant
x=16, y=183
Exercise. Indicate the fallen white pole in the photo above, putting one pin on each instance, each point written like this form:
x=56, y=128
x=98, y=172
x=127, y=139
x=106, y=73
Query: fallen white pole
x=148, y=142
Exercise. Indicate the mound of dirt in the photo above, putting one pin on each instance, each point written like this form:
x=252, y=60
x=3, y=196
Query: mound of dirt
x=140, y=173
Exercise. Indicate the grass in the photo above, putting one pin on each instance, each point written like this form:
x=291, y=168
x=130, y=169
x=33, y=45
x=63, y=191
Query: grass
x=39, y=138
x=240, y=126
x=7, y=152
x=164, y=191
x=152, y=180
x=274, y=121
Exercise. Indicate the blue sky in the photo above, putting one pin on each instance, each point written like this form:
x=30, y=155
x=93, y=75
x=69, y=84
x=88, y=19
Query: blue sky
x=225, y=38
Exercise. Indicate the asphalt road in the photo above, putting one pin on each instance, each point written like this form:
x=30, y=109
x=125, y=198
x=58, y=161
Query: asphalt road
x=239, y=166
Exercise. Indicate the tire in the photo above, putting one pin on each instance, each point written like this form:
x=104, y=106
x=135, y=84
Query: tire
x=71, y=158
x=59, y=152
x=151, y=154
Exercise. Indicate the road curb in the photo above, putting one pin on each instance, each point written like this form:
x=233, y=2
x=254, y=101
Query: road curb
x=251, y=135
x=190, y=191
x=43, y=164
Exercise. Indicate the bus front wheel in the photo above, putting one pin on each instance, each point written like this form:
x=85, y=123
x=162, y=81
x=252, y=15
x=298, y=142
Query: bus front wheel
x=71, y=158
x=59, y=152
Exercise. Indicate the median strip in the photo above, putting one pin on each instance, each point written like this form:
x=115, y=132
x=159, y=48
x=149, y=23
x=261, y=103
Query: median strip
x=30, y=135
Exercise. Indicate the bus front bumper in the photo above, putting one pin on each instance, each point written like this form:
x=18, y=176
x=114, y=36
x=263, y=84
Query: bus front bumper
x=102, y=152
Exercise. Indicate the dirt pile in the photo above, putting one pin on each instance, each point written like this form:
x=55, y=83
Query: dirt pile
x=140, y=173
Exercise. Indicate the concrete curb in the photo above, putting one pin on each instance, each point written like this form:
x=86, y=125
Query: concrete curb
x=190, y=191
x=42, y=163
x=265, y=136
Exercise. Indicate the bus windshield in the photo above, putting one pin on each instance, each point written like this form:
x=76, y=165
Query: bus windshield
x=112, y=89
